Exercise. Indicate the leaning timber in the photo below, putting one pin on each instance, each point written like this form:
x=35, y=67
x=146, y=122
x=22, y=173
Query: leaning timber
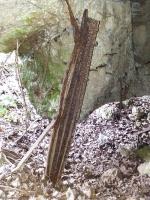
x=72, y=93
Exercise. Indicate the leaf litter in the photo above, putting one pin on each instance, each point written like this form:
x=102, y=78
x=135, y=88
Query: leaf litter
x=102, y=161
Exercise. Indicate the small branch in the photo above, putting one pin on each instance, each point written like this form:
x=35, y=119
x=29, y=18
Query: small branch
x=6, y=187
x=143, y=131
x=20, y=84
x=28, y=154
x=73, y=22
x=9, y=188
x=28, y=129
x=4, y=63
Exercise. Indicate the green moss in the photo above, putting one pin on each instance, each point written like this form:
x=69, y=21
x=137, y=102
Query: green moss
x=3, y=111
x=45, y=58
x=42, y=77
x=30, y=28
x=144, y=153
x=27, y=39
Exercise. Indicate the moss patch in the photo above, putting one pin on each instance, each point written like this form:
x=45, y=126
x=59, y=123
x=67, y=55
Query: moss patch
x=45, y=47
x=144, y=153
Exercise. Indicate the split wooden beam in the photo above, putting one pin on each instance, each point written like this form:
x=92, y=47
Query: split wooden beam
x=72, y=94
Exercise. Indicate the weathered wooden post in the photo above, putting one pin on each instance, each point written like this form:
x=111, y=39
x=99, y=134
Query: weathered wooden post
x=72, y=93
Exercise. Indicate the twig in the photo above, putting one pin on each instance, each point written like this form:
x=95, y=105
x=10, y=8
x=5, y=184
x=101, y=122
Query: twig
x=8, y=188
x=143, y=131
x=20, y=84
x=3, y=63
x=28, y=129
x=74, y=22
x=28, y=154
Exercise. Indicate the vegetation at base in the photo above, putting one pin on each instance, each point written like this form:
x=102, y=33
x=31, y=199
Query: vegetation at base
x=42, y=78
x=44, y=58
x=6, y=102
x=3, y=111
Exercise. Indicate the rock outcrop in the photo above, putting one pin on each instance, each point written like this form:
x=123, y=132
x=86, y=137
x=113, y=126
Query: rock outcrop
x=121, y=60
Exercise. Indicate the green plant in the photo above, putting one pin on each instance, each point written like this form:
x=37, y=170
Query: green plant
x=42, y=77
x=3, y=111
x=7, y=101
x=40, y=44
x=29, y=31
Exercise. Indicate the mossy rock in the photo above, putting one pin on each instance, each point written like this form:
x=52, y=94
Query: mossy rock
x=45, y=52
x=144, y=153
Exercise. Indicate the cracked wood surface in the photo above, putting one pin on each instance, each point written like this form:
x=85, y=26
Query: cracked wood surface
x=72, y=94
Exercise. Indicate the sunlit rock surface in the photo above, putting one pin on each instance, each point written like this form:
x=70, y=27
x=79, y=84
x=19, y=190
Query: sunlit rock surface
x=9, y=58
x=121, y=59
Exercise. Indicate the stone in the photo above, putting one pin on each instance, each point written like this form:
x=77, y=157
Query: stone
x=107, y=111
x=131, y=198
x=110, y=175
x=137, y=113
x=70, y=194
x=16, y=182
x=9, y=58
x=125, y=150
x=144, y=168
x=87, y=190
x=148, y=117
x=137, y=124
x=2, y=194
x=102, y=139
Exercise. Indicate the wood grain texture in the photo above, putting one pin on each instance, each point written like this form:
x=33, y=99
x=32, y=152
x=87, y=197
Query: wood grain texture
x=72, y=94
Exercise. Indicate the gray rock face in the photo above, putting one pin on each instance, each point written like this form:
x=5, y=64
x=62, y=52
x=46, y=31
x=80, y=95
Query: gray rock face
x=141, y=44
x=121, y=59
x=113, y=57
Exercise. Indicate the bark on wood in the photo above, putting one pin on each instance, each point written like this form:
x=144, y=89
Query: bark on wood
x=72, y=94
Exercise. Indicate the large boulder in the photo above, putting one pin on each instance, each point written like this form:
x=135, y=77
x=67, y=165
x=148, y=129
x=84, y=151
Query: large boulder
x=121, y=60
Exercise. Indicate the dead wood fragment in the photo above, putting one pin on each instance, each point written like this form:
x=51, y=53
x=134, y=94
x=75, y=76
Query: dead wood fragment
x=72, y=93
x=143, y=131
x=20, y=84
x=28, y=154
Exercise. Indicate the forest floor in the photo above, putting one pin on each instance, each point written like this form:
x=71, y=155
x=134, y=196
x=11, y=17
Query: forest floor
x=103, y=162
